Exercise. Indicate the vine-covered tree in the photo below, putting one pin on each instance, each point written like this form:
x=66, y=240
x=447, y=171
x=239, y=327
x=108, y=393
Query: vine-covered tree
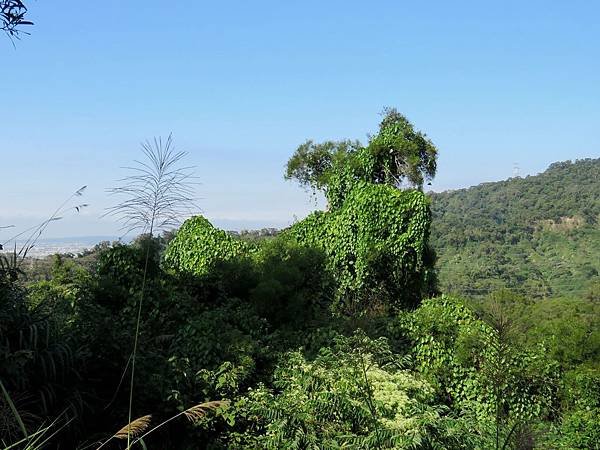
x=374, y=237
x=400, y=153
x=312, y=164
x=397, y=155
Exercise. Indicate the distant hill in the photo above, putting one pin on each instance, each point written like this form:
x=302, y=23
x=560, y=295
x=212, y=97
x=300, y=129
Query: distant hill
x=538, y=235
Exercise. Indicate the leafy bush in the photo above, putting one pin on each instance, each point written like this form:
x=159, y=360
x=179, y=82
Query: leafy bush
x=39, y=359
x=198, y=247
x=293, y=285
x=215, y=353
x=580, y=429
x=479, y=368
x=354, y=394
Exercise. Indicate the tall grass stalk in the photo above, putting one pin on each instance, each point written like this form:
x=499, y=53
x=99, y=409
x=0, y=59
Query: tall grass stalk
x=35, y=232
x=36, y=440
x=157, y=195
x=14, y=410
x=39, y=439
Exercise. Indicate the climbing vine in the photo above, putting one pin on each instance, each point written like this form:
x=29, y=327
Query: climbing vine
x=374, y=235
x=198, y=246
x=376, y=247
x=477, y=367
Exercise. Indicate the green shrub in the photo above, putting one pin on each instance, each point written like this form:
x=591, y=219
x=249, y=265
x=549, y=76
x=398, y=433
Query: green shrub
x=39, y=357
x=352, y=395
x=198, y=247
x=376, y=247
x=478, y=368
x=580, y=429
x=580, y=424
x=293, y=284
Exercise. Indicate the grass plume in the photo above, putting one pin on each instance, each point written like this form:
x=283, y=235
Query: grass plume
x=193, y=414
x=135, y=428
x=141, y=424
x=196, y=412
x=156, y=195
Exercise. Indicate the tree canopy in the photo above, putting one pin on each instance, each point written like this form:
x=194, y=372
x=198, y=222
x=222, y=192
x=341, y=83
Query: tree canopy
x=397, y=155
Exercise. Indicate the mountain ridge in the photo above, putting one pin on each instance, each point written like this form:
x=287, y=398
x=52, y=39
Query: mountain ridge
x=538, y=235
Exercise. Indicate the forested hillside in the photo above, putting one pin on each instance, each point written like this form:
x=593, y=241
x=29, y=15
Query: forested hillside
x=538, y=235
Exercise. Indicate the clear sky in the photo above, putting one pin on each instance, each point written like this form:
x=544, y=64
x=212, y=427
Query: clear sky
x=241, y=84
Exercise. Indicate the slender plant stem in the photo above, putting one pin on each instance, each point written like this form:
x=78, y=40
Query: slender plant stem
x=137, y=333
x=157, y=196
x=114, y=397
x=14, y=410
x=369, y=398
x=512, y=429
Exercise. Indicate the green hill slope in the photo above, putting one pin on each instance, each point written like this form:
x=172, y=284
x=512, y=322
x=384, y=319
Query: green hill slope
x=538, y=235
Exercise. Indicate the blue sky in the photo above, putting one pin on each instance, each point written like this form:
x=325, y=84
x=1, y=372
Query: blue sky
x=241, y=84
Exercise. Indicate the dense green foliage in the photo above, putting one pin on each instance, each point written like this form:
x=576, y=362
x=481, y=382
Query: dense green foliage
x=38, y=361
x=312, y=164
x=353, y=394
x=538, y=235
x=376, y=247
x=480, y=367
x=328, y=335
x=374, y=236
x=435, y=377
x=198, y=246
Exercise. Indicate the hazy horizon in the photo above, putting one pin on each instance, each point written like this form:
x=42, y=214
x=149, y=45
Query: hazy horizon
x=223, y=223
x=240, y=88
